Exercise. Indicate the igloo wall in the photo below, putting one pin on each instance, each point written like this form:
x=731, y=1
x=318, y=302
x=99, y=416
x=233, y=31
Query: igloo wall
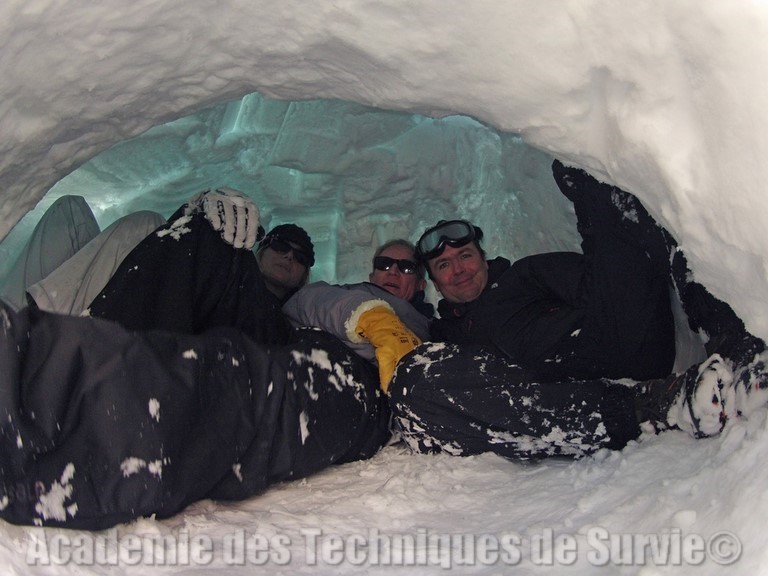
x=663, y=99
x=353, y=176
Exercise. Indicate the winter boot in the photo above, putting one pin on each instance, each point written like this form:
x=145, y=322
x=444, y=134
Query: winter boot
x=695, y=401
x=750, y=385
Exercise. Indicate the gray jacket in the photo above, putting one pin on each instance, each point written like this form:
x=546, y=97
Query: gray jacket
x=337, y=308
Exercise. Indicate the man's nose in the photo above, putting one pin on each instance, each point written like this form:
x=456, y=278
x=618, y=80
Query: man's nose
x=457, y=266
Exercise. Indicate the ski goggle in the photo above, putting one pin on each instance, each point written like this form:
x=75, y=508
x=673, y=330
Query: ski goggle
x=384, y=263
x=283, y=247
x=453, y=233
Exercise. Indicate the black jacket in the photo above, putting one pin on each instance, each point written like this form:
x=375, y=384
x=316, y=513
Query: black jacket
x=562, y=317
x=518, y=314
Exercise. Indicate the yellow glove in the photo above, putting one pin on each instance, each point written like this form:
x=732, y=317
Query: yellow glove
x=389, y=336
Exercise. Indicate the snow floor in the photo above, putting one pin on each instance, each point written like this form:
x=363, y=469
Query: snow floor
x=667, y=504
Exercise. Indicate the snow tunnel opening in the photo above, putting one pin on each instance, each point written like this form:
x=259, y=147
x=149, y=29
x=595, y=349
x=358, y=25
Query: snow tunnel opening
x=352, y=175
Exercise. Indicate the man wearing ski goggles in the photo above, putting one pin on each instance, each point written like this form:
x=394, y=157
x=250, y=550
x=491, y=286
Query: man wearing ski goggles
x=452, y=255
x=533, y=347
x=602, y=313
x=454, y=233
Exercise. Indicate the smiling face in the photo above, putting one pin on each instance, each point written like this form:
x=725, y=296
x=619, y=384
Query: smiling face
x=282, y=273
x=393, y=280
x=460, y=274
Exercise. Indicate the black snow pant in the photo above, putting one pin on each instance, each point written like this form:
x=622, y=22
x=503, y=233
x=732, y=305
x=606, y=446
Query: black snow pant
x=183, y=277
x=621, y=284
x=468, y=399
x=465, y=400
x=631, y=265
x=100, y=425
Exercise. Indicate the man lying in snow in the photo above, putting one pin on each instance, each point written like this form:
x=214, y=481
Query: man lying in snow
x=535, y=342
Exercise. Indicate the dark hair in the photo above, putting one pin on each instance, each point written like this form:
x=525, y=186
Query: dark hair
x=474, y=232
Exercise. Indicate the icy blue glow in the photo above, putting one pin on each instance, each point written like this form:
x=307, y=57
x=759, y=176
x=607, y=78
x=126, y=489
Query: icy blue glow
x=353, y=176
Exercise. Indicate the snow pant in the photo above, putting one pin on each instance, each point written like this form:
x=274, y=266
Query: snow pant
x=465, y=400
x=100, y=425
x=632, y=263
x=713, y=319
x=76, y=282
x=67, y=226
x=621, y=285
x=725, y=334
x=185, y=278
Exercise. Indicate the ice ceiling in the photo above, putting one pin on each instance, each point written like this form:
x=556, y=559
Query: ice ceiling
x=353, y=176
x=666, y=99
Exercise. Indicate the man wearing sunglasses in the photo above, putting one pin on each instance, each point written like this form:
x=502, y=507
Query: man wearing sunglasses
x=531, y=344
x=285, y=256
x=396, y=269
x=381, y=320
x=198, y=271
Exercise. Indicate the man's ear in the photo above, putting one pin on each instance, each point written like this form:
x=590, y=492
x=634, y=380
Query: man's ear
x=370, y=277
x=421, y=284
x=436, y=287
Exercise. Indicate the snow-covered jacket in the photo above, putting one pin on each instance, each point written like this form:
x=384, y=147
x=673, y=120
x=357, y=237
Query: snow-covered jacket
x=185, y=278
x=337, y=308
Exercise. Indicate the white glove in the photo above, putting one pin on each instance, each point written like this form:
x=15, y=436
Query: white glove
x=231, y=213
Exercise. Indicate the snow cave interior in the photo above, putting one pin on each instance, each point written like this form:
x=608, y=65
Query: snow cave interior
x=367, y=120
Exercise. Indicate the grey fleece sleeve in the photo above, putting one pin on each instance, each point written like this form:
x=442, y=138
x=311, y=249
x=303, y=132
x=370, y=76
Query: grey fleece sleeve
x=336, y=309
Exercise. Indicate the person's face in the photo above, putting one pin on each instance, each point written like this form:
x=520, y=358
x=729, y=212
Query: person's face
x=393, y=280
x=460, y=274
x=281, y=272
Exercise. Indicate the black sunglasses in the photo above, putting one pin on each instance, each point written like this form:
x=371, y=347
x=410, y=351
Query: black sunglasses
x=282, y=247
x=384, y=263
